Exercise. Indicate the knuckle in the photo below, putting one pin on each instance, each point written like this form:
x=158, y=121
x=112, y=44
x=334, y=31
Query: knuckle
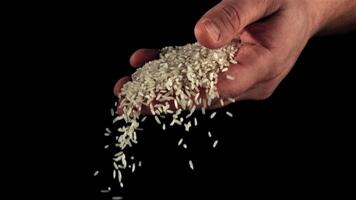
x=231, y=16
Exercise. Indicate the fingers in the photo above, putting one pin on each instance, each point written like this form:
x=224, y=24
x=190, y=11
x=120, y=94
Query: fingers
x=223, y=22
x=141, y=56
x=119, y=84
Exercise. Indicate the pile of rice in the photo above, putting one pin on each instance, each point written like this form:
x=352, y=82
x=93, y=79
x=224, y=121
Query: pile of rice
x=183, y=78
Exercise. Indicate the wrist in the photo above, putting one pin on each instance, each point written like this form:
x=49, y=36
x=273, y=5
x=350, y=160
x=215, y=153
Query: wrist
x=331, y=16
x=319, y=12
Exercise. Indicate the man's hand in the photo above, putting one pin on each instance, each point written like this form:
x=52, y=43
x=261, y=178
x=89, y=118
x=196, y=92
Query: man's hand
x=274, y=33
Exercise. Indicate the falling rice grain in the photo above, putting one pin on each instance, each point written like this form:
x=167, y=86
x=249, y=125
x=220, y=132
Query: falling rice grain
x=215, y=143
x=212, y=115
x=119, y=176
x=191, y=165
x=133, y=168
x=112, y=112
x=229, y=114
x=180, y=141
x=96, y=173
x=185, y=146
x=195, y=122
x=157, y=120
x=117, y=198
x=209, y=134
x=114, y=174
x=116, y=166
x=144, y=118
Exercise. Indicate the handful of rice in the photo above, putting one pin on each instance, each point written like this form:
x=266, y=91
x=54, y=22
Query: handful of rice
x=183, y=78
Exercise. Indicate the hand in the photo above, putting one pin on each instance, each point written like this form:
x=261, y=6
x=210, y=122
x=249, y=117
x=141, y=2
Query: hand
x=274, y=33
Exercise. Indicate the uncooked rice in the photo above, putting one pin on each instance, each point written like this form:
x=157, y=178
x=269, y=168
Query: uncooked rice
x=229, y=77
x=108, y=130
x=183, y=78
x=180, y=141
x=212, y=115
x=229, y=114
x=191, y=165
x=96, y=173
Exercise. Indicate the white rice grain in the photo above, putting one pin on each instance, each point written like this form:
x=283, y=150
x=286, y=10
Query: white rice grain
x=187, y=126
x=114, y=174
x=222, y=102
x=195, y=121
x=191, y=164
x=180, y=141
x=157, y=120
x=119, y=176
x=209, y=134
x=229, y=114
x=108, y=130
x=229, y=77
x=143, y=118
x=232, y=100
x=215, y=143
x=133, y=167
x=212, y=115
x=96, y=173
x=115, y=166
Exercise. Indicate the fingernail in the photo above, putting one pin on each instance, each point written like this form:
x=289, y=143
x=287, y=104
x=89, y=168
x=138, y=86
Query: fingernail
x=212, y=30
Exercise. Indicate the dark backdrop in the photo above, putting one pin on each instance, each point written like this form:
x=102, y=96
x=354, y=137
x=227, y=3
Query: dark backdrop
x=296, y=143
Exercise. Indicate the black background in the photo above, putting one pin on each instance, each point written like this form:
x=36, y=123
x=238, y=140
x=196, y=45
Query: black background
x=296, y=143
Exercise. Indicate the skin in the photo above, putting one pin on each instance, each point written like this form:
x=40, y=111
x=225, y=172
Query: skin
x=274, y=33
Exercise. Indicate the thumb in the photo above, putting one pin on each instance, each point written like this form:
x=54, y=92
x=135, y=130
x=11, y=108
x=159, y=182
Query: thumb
x=223, y=22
